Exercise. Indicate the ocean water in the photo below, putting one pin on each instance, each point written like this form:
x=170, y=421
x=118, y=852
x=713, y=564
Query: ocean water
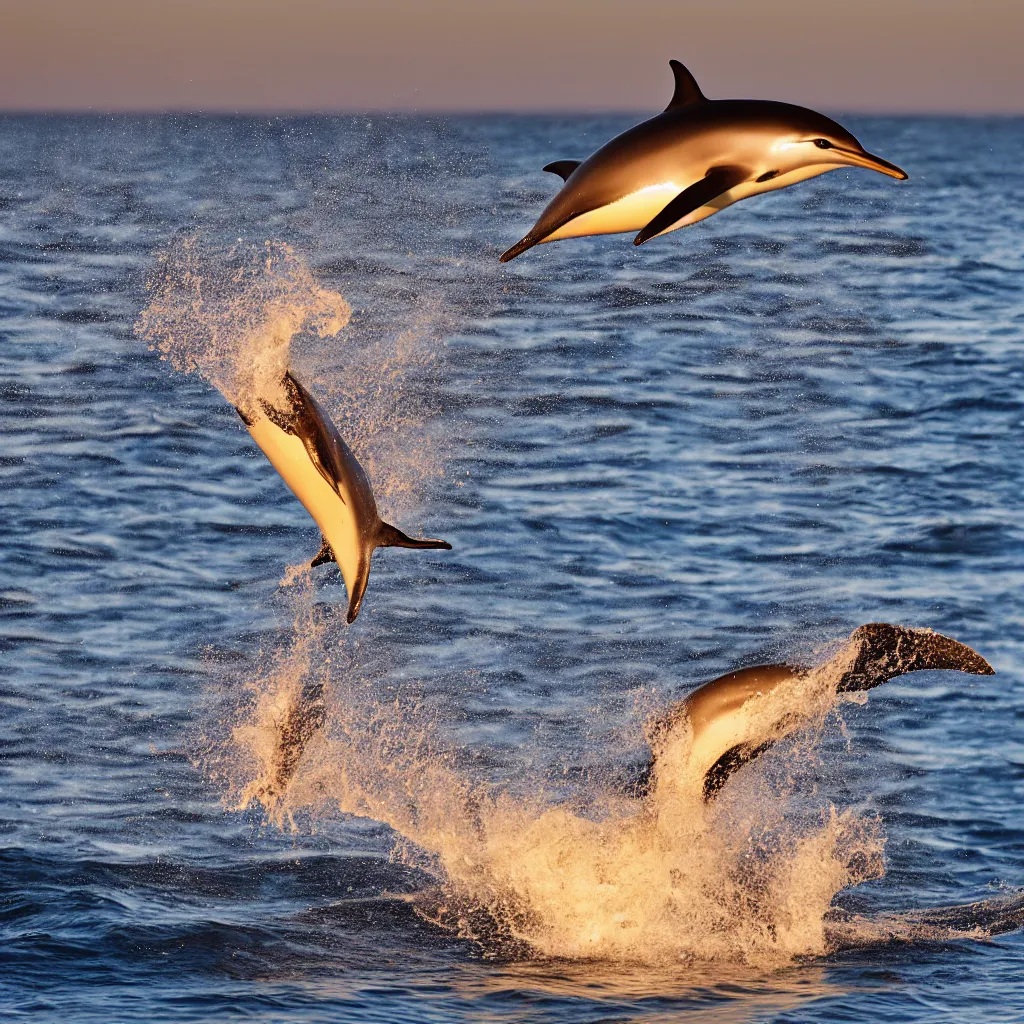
x=732, y=445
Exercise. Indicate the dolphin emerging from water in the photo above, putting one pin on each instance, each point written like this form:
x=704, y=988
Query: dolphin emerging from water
x=728, y=722
x=694, y=159
x=304, y=446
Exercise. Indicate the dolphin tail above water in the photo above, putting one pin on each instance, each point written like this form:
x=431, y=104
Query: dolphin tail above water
x=388, y=536
x=724, y=733
x=887, y=651
x=391, y=537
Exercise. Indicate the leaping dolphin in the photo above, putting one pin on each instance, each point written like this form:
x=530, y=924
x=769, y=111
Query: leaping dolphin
x=695, y=158
x=728, y=722
x=304, y=446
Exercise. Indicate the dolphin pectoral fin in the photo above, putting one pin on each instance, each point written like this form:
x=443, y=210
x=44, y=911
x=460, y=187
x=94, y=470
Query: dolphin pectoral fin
x=389, y=536
x=307, y=422
x=321, y=459
x=700, y=193
x=728, y=764
x=687, y=89
x=326, y=554
x=888, y=651
x=563, y=168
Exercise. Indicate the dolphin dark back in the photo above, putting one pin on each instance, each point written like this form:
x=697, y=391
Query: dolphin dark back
x=880, y=652
x=328, y=451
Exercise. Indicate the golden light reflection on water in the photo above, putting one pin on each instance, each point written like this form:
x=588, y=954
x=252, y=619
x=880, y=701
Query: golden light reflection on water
x=721, y=995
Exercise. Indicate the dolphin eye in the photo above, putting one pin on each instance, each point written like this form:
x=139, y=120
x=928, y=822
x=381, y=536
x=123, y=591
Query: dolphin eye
x=823, y=143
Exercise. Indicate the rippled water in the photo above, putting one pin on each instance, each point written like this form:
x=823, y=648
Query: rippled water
x=654, y=464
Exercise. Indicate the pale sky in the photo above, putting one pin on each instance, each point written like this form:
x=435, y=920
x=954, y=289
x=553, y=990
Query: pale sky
x=452, y=55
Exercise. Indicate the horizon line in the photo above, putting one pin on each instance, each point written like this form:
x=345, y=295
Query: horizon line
x=299, y=112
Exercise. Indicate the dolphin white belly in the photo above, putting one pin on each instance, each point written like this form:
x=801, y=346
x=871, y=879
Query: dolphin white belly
x=304, y=446
x=331, y=511
x=630, y=213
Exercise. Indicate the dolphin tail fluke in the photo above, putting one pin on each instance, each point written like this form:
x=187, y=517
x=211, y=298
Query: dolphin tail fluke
x=888, y=651
x=391, y=537
x=524, y=243
x=326, y=554
x=357, y=590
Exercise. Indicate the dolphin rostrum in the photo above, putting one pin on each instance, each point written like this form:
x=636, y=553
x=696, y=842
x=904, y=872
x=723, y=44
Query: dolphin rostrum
x=304, y=446
x=728, y=722
x=695, y=158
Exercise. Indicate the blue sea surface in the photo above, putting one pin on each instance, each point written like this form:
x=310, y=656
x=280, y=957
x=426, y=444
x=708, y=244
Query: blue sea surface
x=727, y=446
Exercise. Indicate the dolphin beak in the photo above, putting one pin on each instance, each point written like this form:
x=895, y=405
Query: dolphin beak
x=874, y=163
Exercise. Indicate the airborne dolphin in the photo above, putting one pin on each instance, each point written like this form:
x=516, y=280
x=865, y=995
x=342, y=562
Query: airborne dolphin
x=729, y=721
x=304, y=446
x=695, y=158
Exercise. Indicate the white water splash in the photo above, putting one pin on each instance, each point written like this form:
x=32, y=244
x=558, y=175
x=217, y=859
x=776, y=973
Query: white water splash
x=236, y=315
x=230, y=314
x=666, y=879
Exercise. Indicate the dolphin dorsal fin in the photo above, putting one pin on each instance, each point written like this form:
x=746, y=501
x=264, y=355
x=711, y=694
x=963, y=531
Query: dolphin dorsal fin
x=563, y=168
x=687, y=89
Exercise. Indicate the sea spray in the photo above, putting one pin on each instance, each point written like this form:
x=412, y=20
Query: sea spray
x=666, y=879
x=383, y=399
x=657, y=880
x=231, y=314
x=241, y=315
x=243, y=746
